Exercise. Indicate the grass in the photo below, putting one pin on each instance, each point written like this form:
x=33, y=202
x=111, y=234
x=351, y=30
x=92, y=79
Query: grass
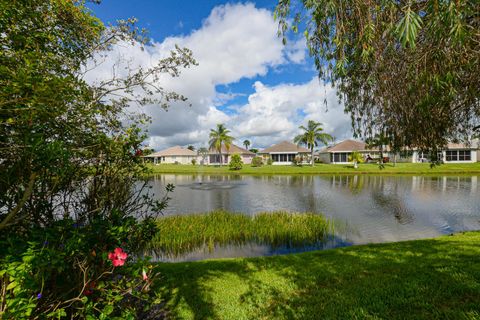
x=424, y=279
x=400, y=168
x=185, y=233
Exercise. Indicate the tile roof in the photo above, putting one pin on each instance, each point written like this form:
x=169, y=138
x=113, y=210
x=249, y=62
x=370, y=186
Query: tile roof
x=234, y=149
x=285, y=146
x=173, y=151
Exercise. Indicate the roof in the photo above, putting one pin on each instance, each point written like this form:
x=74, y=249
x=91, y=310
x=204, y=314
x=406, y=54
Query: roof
x=348, y=146
x=173, y=151
x=234, y=149
x=285, y=146
x=452, y=145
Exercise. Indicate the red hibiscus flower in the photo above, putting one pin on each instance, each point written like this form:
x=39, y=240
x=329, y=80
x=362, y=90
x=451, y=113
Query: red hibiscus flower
x=118, y=257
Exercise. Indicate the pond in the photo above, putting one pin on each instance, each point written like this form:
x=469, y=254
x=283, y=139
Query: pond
x=364, y=208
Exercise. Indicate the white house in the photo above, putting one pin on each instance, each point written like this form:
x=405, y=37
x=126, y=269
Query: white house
x=213, y=157
x=284, y=152
x=453, y=153
x=173, y=155
x=339, y=153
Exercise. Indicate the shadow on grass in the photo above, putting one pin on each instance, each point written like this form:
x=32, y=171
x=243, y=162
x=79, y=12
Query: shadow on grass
x=426, y=279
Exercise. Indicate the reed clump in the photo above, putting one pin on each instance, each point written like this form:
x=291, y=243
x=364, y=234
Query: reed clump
x=185, y=233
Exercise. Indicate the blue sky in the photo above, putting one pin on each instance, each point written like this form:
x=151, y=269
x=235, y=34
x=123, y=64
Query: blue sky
x=246, y=78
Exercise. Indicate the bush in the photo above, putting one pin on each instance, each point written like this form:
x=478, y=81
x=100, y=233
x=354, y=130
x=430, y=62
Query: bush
x=269, y=161
x=194, y=161
x=78, y=271
x=257, y=162
x=297, y=161
x=236, y=162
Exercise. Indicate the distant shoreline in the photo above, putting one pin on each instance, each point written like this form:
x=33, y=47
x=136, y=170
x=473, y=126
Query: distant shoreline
x=325, y=169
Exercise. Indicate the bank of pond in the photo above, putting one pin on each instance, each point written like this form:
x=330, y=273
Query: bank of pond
x=421, y=279
x=321, y=168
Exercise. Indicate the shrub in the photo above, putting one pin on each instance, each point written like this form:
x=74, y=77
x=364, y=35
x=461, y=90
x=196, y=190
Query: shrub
x=194, y=161
x=236, y=162
x=71, y=188
x=257, y=162
x=269, y=161
x=78, y=271
x=297, y=161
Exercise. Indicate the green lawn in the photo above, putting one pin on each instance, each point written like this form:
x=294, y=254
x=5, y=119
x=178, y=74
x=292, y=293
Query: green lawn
x=400, y=168
x=425, y=279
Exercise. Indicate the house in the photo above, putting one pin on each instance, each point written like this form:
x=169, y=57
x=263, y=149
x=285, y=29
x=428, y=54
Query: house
x=339, y=153
x=213, y=157
x=173, y=155
x=284, y=152
x=453, y=153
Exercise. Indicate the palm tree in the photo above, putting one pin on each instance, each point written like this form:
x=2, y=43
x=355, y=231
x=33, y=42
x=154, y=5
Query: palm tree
x=218, y=138
x=246, y=143
x=312, y=136
x=356, y=158
x=191, y=148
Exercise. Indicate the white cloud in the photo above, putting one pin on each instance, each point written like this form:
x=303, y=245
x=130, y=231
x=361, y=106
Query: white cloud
x=235, y=41
x=274, y=113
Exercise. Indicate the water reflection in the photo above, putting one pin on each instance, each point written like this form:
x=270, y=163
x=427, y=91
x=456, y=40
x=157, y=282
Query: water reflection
x=370, y=208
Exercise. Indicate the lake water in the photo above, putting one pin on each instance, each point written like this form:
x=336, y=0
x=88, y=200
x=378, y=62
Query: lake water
x=365, y=208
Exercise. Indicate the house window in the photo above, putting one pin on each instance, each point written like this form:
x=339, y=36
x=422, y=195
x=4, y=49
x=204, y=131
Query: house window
x=214, y=158
x=340, y=157
x=458, y=155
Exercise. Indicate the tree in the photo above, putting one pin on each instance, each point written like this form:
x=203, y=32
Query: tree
x=313, y=134
x=246, y=143
x=220, y=137
x=203, y=152
x=236, y=162
x=356, y=158
x=378, y=141
x=191, y=148
x=405, y=68
x=70, y=167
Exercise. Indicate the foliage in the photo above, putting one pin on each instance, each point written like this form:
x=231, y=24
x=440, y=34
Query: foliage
x=422, y=279
x=194, y=161
x=191, y=148
x=298, y=161
x=355, y=157
x=70, y=155
x=236, y=162
x=269, y=161
x=313, y=134
x=218, y=138
x=246, y=143
x=185, y=233
x=257, y=162
x=254, y=150
x=66, y=270
x=408, y=69
x=203, y=152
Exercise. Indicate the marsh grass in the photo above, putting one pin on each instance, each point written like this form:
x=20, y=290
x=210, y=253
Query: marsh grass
x=186, y=233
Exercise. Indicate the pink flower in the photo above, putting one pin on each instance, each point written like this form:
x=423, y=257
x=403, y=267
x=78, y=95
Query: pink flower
x=118, y=257
x=144, y=275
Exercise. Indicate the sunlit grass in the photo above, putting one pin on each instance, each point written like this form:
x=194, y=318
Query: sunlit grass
x=186, y=233
x=422, y=279
x=399, y=168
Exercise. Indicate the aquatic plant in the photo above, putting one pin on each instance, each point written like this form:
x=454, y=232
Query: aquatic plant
x=185, y=233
